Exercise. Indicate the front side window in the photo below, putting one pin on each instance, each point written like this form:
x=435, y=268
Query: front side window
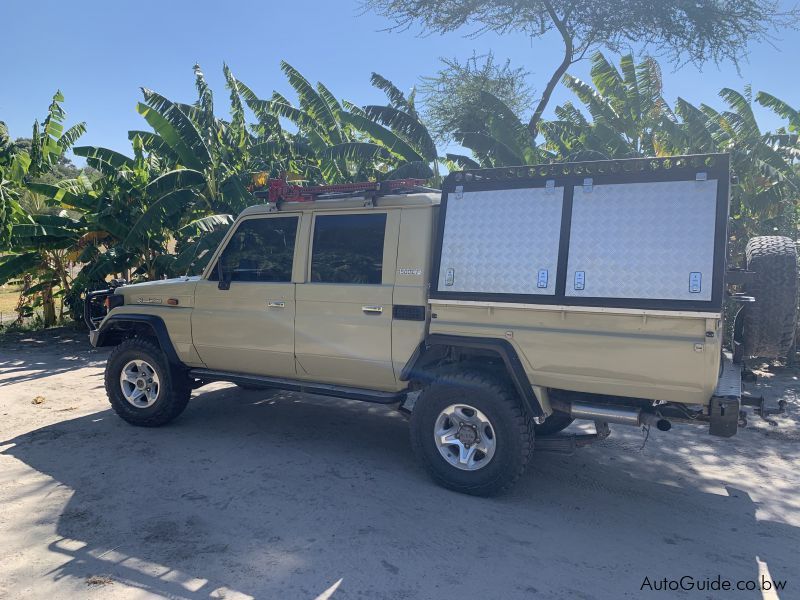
x=348, y=249
x=260, y=250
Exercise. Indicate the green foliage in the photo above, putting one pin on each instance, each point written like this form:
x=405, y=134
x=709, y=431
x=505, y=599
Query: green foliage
x=161, y=209
x=697, y=32
x=628, y=117
x=453, y=96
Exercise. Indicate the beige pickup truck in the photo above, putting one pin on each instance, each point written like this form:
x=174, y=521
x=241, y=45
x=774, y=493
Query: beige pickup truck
x=494, y=312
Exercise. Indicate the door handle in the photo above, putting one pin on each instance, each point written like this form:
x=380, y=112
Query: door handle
x=276, y=304
x=372, y=309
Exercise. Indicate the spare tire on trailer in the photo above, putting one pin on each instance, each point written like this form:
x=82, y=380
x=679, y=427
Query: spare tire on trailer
x=769, y=323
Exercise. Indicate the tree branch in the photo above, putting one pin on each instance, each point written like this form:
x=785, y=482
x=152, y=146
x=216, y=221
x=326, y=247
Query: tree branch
x=533, y=124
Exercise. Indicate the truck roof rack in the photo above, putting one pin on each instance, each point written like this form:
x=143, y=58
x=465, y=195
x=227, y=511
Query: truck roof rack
x=621, y=166
x=280, y=190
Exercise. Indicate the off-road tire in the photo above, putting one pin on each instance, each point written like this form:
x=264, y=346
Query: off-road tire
x=555, y=423
x=174, y=388
x=513, y=428
x=769, y=322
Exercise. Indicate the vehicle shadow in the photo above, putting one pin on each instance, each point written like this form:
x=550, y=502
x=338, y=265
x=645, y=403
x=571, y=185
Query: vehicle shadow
x=267, y=494
x=20, y=370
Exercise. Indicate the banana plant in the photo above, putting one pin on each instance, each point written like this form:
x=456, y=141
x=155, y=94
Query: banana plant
x=628, y=116
x=205, y=163
x=41, y=246
x=399, y=128
x=191, y=166
x=38, y=238
x=13, y=167
x=338, y=141
x=50, y=141
x=498, y=139
x=764, y=198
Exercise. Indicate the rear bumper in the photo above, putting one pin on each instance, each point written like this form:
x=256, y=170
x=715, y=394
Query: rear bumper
x=724, y=413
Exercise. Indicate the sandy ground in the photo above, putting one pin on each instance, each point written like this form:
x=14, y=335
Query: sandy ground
x=277, y=495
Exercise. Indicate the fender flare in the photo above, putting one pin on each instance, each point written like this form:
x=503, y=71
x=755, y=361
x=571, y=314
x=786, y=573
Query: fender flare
x=503, y=348
x=103, y=336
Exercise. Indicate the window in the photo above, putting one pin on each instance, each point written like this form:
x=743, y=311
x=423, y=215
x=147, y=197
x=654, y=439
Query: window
x=348, y=249
x=260, y=250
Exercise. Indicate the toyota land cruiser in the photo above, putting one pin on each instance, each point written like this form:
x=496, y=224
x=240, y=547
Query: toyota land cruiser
x=494, y=313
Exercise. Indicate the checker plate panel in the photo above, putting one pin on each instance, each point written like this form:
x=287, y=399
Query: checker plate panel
x=643, y=240
x=502, y=241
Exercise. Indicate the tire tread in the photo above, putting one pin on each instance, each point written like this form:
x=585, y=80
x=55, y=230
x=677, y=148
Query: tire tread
x=173, y=384
x=522, y=423
x=769, y=323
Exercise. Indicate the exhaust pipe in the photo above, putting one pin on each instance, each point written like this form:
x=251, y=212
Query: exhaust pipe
x=612, y=414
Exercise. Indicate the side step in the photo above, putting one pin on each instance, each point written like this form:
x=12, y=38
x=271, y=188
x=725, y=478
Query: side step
x=293, y=385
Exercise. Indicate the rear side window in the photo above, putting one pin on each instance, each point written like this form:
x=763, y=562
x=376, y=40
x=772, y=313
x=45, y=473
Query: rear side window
x=348, y=249
x=260, y=250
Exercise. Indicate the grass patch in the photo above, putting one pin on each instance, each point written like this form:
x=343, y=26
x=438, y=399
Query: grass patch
x=8, y=302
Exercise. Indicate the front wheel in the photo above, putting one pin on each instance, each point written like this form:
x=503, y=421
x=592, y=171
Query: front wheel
x=142, y=387
x=471, y=433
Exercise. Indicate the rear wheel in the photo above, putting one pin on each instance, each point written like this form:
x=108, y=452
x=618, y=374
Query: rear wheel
x=769, y=322
x=471, y=433
x=142, y=387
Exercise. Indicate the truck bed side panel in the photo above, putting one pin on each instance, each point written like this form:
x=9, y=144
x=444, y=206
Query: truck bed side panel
x=646, y=355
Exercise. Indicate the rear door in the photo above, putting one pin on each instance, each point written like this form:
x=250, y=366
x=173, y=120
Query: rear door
x=343, y=324
x=249, y=328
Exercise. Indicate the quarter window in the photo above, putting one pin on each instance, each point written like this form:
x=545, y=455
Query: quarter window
x=348, y=249
x=260, y=250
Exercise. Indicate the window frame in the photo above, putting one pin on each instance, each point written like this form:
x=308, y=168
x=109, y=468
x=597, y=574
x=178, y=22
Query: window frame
x=387, y=275
x=212, y=268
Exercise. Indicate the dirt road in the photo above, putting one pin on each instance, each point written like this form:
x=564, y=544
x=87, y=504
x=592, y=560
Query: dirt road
x=278, y=495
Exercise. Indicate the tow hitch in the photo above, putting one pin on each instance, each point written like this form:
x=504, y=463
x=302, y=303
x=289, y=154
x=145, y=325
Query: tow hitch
x=759, y=405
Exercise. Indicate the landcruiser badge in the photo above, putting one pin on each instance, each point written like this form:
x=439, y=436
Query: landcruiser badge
x=409, y=271
x=143, y=300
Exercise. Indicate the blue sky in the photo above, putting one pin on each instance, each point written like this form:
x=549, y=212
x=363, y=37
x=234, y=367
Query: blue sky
x=99, y=53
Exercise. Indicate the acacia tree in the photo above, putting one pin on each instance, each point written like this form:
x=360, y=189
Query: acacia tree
x=452, y=96
x=696, y=31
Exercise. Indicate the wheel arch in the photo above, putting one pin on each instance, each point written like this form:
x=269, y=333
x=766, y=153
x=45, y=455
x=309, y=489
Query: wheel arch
x=437, y=348
x=118, y=327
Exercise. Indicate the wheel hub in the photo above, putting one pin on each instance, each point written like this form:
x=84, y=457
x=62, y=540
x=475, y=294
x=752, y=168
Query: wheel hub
x=465, y=437
x=139, y=383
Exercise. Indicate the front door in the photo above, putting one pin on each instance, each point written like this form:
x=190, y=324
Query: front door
x=249, y=327
x=343, y=326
